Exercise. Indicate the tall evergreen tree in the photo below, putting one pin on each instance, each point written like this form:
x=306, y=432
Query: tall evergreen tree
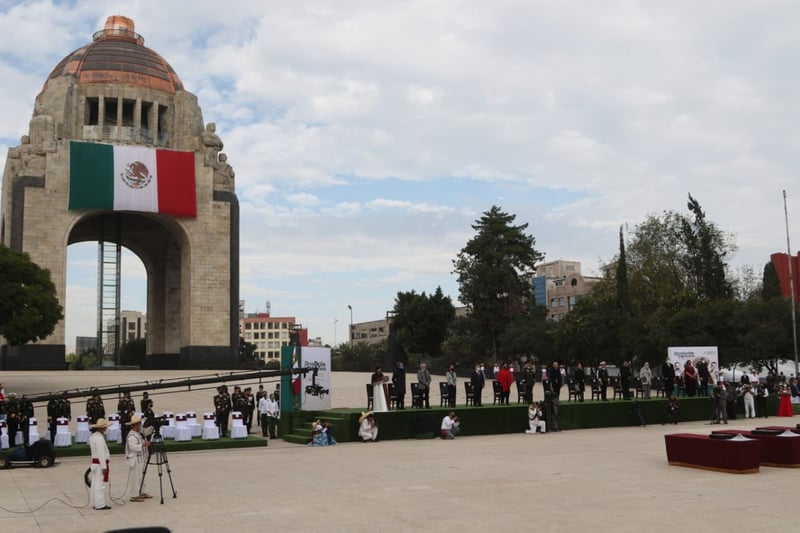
x=623, y=292
x=493, y=269
x=771, y=286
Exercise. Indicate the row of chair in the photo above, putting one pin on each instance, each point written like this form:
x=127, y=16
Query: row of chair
x=525, y=391
x=176, y=426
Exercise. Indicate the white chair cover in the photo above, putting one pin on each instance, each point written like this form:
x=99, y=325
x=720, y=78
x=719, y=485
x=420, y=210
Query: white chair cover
x=182, y=431
x=33, y=430
x=210, y=429
x=63, y=436
x=168, y=429
x=194, y=427
x=238, y=431
x=82, y=432
x=3, y=435
x=114, y=431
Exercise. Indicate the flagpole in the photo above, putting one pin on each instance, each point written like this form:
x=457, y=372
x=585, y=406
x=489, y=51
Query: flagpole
x=791, y=285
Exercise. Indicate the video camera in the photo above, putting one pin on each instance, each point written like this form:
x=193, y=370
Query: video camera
x=314, y=389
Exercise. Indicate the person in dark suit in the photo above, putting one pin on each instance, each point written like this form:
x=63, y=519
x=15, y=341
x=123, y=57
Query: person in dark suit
x=478, y=380
x=704, y=375
x=555, y=379
x=668, y=373
x=625, y=380
x=399, y=382
x=580, y=380
x=602, y=378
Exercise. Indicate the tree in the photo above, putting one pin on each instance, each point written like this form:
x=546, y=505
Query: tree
x=421, y=321
x=133, y=352
x=623, y=291
x=492, y=270
x=705, y=255
x=771, y=285
x=29, y=308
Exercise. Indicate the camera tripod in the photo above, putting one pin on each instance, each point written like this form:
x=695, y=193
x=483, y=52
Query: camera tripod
x=158, y=451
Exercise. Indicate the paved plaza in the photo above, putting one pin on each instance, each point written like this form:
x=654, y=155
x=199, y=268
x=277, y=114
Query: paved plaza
x=614, y=479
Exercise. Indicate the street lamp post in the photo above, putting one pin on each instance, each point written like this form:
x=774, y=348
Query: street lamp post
x=335, y=321
x=350, y=307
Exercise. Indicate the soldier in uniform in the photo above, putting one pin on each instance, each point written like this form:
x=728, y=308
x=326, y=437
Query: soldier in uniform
x=249, y=406
x=57, y=407
x=222, y=408
x=145, y=402
x=16, y=419
x=95, y=408
x=126, y=408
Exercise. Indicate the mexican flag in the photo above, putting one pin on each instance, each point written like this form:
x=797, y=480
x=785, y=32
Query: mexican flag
x=131, y=178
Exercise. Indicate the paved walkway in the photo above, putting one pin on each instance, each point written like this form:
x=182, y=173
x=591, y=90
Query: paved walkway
x=613, y=479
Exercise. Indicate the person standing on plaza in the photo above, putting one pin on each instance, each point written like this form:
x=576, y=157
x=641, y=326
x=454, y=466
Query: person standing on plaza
x=222, y=409
x=452, y=382
x=704, y=375
x=580, y=381
x=477, y=380
x=249, y=403
x=505, y=379
x=761, y=399
x=555, y=380
x=625, y=380
x=273, y=416
x=100, y=464
x=135, y=448
x=424, y=382
x=602, y=379
x=261, y=394
x=94, y=408
x=126, y=408
x=58, y=407
x=749, y=401
x=380, y=396
x=399, y=383
x=646, y=377
x=263, y=414
x=690, y=378
x=668, y=374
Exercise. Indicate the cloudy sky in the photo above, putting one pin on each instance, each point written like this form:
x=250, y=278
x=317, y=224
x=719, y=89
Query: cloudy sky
x=368, y=136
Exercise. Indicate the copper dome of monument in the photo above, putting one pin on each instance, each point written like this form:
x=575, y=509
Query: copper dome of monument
x=117, y=55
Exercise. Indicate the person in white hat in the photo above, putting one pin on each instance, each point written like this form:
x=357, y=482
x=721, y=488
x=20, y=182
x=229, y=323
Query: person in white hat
x=100, y=464
x=135, y=448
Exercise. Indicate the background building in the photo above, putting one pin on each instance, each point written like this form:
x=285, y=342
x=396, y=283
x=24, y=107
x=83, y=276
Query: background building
x=268, y=333
x=781, y=263
x=559, y=286
x=84, y=344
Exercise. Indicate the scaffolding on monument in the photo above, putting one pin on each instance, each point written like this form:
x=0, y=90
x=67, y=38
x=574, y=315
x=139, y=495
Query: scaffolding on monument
x=109, y=259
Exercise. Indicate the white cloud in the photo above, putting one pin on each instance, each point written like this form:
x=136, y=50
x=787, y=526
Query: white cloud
x=576, y=116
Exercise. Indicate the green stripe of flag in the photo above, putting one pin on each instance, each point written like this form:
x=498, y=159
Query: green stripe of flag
x=90, y=166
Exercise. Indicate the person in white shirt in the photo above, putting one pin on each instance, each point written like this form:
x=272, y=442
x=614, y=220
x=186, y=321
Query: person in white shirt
x=450, y=426
x=263, y=414
x=273, y=416
x=749, y=401
x=535, y=421
x=100, y=461
x=368, y=431
x=135, y=448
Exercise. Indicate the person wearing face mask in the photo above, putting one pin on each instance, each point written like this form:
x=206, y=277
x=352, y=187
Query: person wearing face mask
x=478, y=380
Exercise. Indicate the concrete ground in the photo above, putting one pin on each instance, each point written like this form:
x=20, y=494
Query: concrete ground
x=614, y=479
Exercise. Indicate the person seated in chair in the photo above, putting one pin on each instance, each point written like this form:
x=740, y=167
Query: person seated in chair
x=535, y=422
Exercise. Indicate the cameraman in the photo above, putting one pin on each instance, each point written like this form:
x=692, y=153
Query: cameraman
x=720, y=404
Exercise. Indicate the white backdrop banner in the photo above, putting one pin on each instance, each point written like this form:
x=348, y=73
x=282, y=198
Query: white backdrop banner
x=680, y=354
x=316, y=392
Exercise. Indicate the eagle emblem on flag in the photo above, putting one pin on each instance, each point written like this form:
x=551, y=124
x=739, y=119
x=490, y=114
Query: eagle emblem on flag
x=136, y=175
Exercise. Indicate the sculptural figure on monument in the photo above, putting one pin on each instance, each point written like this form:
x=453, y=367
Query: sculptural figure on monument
x=223, y=174
x=212, y=143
